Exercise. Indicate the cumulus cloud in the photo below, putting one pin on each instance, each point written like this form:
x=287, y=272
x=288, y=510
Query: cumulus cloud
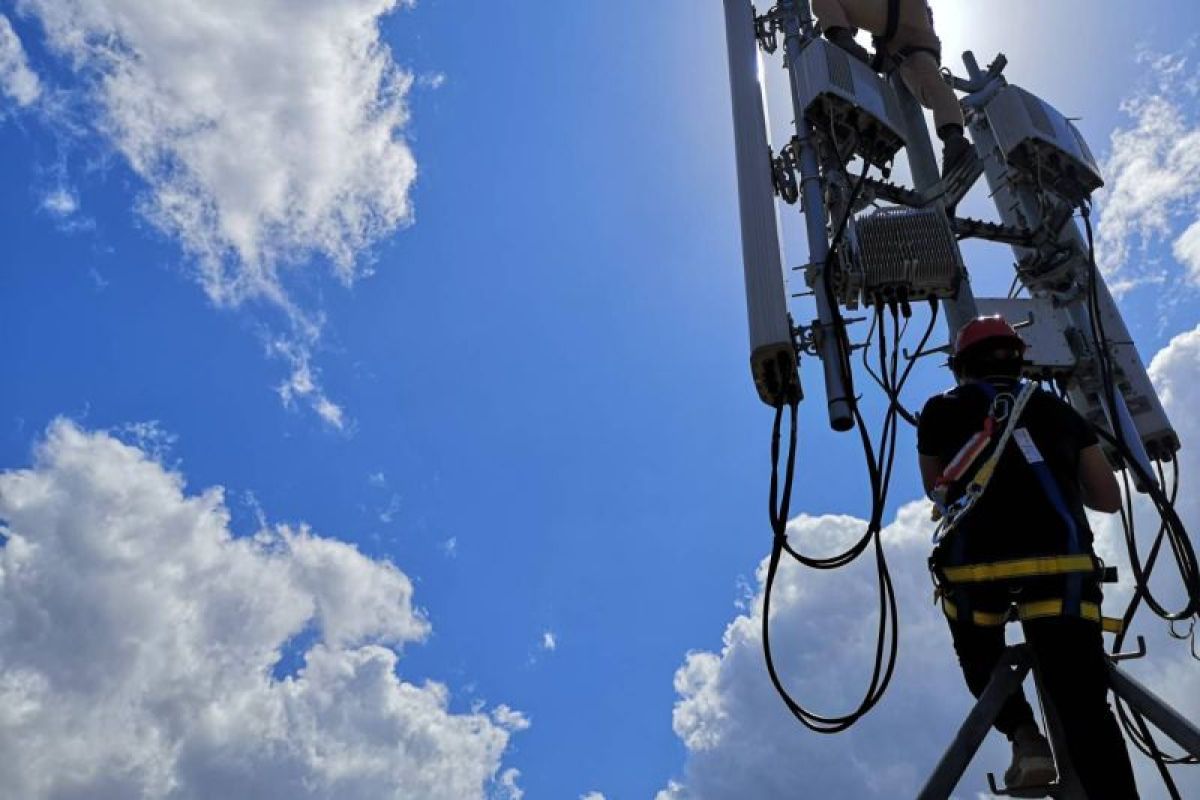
x=138, y=640
x=549, y=641
x=742, y=742
x=1153, y=175
x=17, y=81
x=1175, y=371
x=266, y=132
x=268, y=135
x=1187, y=252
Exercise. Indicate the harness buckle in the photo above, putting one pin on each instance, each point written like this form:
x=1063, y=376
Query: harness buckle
x=1002, y=406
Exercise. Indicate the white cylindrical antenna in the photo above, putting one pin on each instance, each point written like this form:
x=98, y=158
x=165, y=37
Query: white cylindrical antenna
x=772, y=355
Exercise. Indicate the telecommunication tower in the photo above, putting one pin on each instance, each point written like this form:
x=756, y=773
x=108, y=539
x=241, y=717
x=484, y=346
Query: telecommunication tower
x=874, y=245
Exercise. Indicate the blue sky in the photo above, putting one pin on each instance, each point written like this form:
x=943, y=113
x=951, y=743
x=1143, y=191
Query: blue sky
x=545, y=420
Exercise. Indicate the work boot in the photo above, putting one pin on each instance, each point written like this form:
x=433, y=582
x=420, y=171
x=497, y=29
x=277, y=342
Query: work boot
x=844, y=39
x=1033, y=762
x=957, y=152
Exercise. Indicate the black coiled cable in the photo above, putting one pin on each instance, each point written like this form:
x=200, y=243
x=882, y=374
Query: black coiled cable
x=880, y=460
x=1171, y=530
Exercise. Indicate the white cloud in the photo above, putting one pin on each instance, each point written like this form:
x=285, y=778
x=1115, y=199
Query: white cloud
x=150, y=437
x=742, y=742
x=432, y=80
x=266, y=132
x=509, y=789
x=674, y=790
x=268, y=135
x=1175, y=371
x=591, y=796
x=1152, y=174
x=303, y=381
x=17, y=81
x=98, y=280
x=388, y=514
x=510, y=719
x=60, y=202
x=138, y=639
x=549, y=641
x=1187, y=252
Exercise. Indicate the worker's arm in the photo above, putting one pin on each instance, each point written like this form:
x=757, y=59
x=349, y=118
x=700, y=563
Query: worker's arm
x=1097, y=484
x=931, y=469
x=929, y=435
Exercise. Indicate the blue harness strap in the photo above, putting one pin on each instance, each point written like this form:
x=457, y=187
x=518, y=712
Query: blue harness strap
x=1074, y=587
x=1073, y=591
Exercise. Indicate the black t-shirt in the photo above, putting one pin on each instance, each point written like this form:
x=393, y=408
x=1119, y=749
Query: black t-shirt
x=1015, y=517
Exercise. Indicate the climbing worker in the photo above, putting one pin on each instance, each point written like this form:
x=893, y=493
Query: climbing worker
x=903, y=31
x=1010, y=468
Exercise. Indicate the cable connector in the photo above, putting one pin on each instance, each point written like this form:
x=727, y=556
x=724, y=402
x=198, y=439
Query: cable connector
x=767, y=28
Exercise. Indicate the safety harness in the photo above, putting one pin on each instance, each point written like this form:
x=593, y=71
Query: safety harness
x=1074, y=565
x=889, y=33
x=1003, y=409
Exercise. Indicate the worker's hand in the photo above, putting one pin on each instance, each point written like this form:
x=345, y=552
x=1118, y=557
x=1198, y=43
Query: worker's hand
x=1096, y=482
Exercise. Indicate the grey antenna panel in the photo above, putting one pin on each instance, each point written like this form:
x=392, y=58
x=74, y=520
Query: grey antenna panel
x=903, y=253
x=1132, y=381
x=1042, y=144
x=844, y=98
x=1045, y=330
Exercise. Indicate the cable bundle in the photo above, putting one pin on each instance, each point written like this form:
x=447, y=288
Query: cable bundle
x=880, y=459
x=1171, y=530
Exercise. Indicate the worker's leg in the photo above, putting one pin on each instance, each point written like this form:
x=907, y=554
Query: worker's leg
x=840, y=18
x=916, y=42
x=979, y=648
x=1070, y=655
x=916, y=16
x=923, y=77
x=869, y=15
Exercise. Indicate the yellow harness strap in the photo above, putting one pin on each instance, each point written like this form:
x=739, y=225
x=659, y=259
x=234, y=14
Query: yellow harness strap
x=1036, y=610
x=1021, y=568
x=982, y=618
x=1054, y=608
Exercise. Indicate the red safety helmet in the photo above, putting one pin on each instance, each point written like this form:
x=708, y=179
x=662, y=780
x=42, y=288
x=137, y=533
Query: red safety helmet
x=982, y=329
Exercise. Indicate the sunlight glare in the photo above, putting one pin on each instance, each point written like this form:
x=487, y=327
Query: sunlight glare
x=950, y=18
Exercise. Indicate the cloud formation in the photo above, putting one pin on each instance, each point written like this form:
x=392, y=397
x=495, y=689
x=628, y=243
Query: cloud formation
x=268, y=136
x=1187, y=252
x=266, y=132
x=1175, y=371
x=1153, y=176
x=741, y=740
x=17, y=81
x=138, y=639
x=60, y=202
